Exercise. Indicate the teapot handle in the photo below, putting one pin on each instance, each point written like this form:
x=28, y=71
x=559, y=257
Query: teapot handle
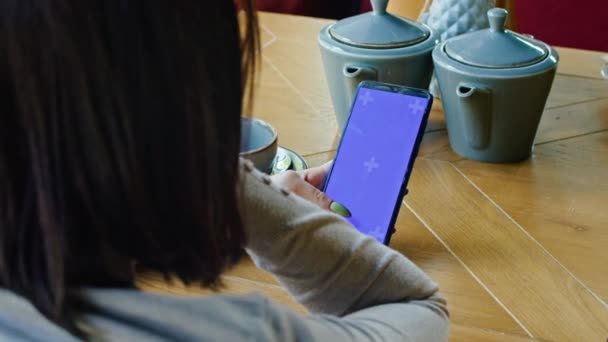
x=476, y=109
x=355, y=74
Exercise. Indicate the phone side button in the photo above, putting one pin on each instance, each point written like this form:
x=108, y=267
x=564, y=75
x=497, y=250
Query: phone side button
x=389, y=235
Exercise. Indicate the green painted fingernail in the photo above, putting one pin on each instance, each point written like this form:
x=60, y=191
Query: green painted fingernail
x=339, y=209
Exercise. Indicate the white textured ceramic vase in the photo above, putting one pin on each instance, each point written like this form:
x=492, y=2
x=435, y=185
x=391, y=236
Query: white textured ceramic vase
x=450, y=18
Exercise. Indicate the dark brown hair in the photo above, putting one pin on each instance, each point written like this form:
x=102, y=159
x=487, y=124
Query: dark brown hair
x=119, y=140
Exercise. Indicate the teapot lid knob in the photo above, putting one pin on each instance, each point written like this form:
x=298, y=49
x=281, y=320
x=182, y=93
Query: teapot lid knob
x=379, y=6
x=497, y=18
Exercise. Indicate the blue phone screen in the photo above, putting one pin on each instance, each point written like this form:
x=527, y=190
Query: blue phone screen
x=374, y=156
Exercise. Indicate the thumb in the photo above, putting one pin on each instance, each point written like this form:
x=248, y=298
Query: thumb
x=295, y=181
x=321, y=199
x=316, y=175
x=313, y=194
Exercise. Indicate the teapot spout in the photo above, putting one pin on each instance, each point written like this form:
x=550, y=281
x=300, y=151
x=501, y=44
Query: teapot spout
x=476, y=109
x=353, y=75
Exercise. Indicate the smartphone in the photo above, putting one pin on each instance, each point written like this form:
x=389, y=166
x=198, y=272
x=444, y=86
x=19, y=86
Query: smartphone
x=376, y=155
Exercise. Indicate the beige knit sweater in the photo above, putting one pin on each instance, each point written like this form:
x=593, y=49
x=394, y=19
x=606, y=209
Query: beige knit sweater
x=356, y=289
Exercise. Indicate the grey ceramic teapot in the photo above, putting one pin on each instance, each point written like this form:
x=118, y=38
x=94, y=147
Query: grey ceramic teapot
x=494, y=84
x=374, y=46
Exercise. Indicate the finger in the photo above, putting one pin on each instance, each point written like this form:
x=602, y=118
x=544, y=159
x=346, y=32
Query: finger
x=316, y=175
x=294, y=181
x=311, y=193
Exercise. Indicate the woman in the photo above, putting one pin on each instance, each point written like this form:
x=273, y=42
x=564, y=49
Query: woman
x=119, y=138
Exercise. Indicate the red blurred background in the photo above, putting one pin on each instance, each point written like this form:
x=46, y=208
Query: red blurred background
x=577, y=24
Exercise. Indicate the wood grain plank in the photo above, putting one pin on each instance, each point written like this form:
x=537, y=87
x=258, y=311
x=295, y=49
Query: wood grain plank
x=286, y=26
x=266, y=37
x=436, y=145
x=268, y=76
x=580, y=62
x=573, y=120
x=567, y=90
x=300, y=64
x=538, y=291
x=319, y=158
x=300, y=126
x=469, y=304
x=560, y=197
x=463, y=333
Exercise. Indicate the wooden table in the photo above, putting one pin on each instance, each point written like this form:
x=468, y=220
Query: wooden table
x=520, y=250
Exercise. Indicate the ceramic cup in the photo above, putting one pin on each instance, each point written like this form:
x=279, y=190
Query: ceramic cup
x=259, y=143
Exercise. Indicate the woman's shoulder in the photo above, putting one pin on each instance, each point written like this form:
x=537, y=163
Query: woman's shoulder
x=133, y=315
x=20, y=321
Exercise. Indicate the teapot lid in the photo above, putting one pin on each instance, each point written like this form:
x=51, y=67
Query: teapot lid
x=496, y=47
x=378, y=29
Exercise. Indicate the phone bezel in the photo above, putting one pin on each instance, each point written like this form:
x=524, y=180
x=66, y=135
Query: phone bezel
x=421, y=130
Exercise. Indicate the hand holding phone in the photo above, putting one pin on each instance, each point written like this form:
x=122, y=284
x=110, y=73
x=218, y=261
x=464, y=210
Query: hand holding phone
x=307, y=184
x=376, y=155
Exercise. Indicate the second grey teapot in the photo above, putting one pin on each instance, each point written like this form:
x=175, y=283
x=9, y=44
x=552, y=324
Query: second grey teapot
x=494, y=84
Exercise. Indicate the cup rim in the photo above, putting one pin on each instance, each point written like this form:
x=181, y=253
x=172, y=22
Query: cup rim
x=274, y=139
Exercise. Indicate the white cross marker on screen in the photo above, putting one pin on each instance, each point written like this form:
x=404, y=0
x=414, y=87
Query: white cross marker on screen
x=371, y=164
x=417, y=107
x=366, y=98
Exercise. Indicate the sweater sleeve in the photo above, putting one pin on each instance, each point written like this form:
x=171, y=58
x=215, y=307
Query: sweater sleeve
x=329, y=267
x=414, y=320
